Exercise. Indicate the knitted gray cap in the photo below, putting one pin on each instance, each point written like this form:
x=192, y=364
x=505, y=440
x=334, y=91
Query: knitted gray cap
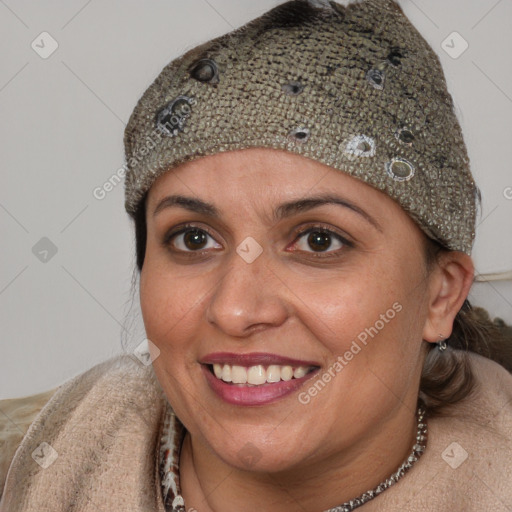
x=355, y=87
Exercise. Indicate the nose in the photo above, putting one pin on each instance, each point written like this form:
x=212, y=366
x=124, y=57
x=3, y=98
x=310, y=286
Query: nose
x=248, y=297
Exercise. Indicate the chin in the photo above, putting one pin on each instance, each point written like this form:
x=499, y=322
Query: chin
x=248, y=453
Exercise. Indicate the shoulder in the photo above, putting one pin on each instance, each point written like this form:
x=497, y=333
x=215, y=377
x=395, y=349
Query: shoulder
x=483, y=420
x=471, y=442
x=16, y=415
x=23, y=418
x=490, y=403
x=491, y=372
x=467, y=464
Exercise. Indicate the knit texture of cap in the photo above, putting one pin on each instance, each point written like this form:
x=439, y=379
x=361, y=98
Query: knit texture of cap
x=354, y=87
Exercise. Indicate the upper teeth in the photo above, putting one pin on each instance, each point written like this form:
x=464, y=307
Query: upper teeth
x=255, y=375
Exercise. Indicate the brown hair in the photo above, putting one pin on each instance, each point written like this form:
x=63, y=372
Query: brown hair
x=447, y=377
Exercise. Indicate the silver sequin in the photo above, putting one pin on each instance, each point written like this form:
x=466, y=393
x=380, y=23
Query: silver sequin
x=361, y=145
x=395, y=56
x=171, y=119
x=400, y=169
x=300, y=135
x=376, y=78
x=293, y=88
x=321, y=4
x=405, y=135
x=205, y=70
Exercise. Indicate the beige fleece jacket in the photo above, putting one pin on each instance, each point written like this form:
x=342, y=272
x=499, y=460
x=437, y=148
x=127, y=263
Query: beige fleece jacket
x=93, y=447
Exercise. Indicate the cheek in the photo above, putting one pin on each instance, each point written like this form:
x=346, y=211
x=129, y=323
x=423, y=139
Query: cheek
x=372, y=322
x=344, y=305
x=168, y=303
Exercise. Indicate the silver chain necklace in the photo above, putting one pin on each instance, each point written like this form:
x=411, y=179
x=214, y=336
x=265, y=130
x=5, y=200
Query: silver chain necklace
x=417, y=451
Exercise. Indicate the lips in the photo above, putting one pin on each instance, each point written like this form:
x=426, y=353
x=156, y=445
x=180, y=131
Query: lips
x=255, y=378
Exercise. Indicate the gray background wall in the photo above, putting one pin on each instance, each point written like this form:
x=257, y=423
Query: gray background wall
x=68, y=258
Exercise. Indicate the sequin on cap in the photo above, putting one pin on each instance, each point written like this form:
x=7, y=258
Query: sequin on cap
x=171, y=119
x=395, y=56
x=293, y=88
x=361, y=145
x=300, y=135
x=205, y=70
x=400, y=169
x=376, y=78
x=405, y=135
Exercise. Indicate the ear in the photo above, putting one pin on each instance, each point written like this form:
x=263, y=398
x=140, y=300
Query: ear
x=448, y=288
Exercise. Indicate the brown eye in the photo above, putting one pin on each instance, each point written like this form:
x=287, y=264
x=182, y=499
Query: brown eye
x=321, y=240
x=189, y=239
x=194, y=239
x=317, y=239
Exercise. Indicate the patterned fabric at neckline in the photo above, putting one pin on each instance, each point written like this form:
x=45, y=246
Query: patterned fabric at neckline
x=173, y=434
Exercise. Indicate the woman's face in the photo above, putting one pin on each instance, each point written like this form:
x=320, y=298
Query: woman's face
x=255, y=271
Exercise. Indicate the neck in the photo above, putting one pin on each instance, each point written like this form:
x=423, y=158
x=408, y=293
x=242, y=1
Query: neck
x=210, y=485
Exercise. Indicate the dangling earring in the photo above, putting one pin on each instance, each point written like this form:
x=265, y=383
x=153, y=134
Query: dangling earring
x=441, y=345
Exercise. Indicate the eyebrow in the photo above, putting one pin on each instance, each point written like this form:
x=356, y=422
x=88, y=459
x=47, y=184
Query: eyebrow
x=283, y=211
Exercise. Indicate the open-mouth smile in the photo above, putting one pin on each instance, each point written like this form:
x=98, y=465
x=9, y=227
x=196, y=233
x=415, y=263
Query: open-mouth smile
x=255, y=379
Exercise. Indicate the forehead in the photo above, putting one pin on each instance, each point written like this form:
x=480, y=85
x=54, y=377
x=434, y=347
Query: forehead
x=250, y=172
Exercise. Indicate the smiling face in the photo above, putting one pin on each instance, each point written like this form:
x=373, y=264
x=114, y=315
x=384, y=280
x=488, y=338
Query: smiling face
x=339, y=292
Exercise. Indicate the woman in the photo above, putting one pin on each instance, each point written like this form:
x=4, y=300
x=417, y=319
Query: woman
x=304, y=215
